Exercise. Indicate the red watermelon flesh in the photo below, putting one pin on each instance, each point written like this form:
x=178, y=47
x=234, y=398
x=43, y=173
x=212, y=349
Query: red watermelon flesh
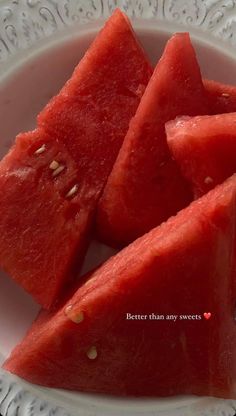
x=205, y=149
x=146, y=186
x=41, y=228
x=222, y=97
x=84, y=127
x=183, y=267
x=92, y=112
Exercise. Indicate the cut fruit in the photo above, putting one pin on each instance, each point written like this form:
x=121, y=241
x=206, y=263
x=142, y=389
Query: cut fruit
x=222, y=97
x=205, y=149
x=91, y=114
x=182, y=268
x=48, y=199
x=145, y=186
x=42, y=227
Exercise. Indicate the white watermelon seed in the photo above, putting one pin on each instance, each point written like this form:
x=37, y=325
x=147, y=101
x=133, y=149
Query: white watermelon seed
x=54, y=165
x=58, y=170
x=208, y=180
x=92, y=353
x=90, y=280
x=72, y=191
x=40, y=150
x=225, y=94
x=76, y=318
x=68, y=309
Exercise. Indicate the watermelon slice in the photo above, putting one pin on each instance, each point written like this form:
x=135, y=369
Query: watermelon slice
x=48, y=198
x=222, y=97
x=205, y=148
x=103, y=339
x=42, y=226
x=145, y=186
x=92, y=112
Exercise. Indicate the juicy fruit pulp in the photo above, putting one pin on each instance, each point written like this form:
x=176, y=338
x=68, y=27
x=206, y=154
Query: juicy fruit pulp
x=84, y=127
x=205, y=149
x=35, y=233
x=92, y=112
x=146, y=186
x=174, y=269
x=221, y=97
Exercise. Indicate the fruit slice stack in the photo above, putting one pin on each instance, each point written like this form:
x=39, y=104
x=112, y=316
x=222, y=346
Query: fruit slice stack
x=182, y=267
x=52, y=178
x=114, y=332
x=146, y=186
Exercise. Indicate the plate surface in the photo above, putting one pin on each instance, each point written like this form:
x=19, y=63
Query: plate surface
x=40, y=43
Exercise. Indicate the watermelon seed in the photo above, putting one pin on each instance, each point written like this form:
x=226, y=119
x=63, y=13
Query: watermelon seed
x=40, y=150
x=68, y=309
x=54, y=165
x=79, y=318
x=162, y=164
x=72, y=191
x=208, y=180
x=89, y=280
x=58, y=170
x=92, y=353
x=74, y=318
x=225, y=94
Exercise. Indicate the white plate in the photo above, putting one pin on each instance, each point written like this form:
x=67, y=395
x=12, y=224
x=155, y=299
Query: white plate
x=40, y=43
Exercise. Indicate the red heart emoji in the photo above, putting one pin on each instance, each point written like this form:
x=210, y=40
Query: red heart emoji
x=207, y=315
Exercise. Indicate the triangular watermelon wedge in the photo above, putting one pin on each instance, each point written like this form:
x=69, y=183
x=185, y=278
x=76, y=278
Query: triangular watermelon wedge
x=42, y=226
x=145, y=186
x=110, y=337
x=222, y=97
x=46, y=208
x=205, y=149
x=91, y=114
